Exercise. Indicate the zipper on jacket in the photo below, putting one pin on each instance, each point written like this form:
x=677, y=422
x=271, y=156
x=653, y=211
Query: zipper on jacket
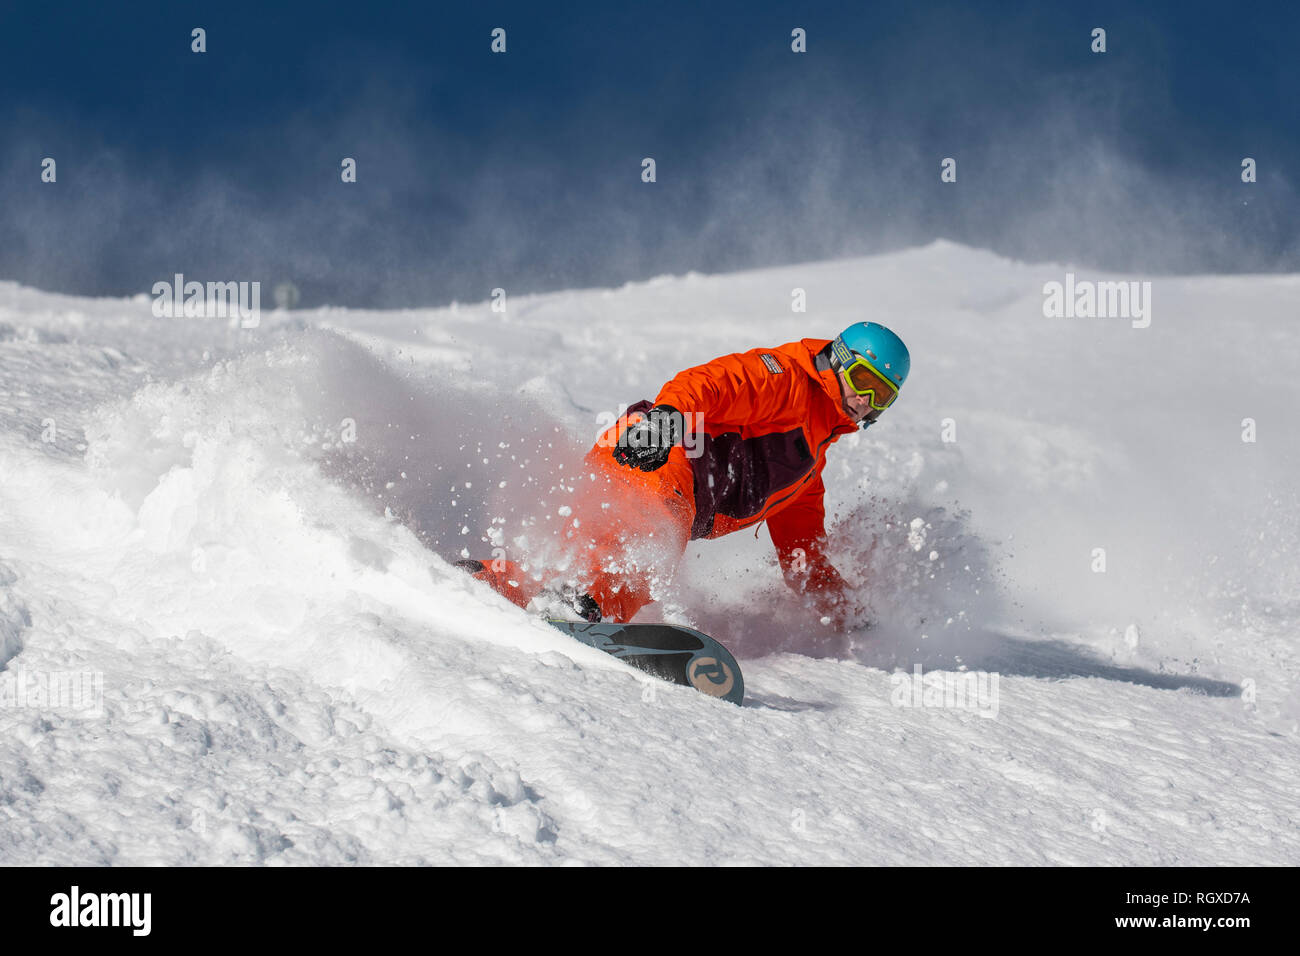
x=762, y=516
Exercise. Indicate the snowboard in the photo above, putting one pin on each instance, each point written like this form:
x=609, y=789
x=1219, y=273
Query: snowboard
x=670, y=652
x=681, y=655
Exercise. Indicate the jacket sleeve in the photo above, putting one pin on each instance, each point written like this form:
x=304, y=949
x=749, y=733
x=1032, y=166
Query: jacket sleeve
x=733, y=390
x=801, y=526
x=800, y=529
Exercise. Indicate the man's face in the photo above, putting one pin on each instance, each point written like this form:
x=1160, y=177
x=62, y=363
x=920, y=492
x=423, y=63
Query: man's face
x=857, y=407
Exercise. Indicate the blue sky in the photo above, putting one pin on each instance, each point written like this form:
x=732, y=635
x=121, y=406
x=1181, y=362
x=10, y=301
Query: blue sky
x=523, y=170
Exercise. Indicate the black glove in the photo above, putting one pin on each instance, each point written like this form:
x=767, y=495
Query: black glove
x=646, y=444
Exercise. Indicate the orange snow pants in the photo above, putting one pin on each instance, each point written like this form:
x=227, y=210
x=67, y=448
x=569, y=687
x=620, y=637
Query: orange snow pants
x=633, y=526
x=622, y=537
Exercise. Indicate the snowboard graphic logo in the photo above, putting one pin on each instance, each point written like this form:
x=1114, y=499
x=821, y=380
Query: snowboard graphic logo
x=711, y=676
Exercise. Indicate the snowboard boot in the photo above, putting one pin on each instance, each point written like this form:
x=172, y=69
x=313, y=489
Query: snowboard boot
x=564, y=603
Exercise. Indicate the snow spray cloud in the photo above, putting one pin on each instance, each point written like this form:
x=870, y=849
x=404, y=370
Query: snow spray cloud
x=468, y=466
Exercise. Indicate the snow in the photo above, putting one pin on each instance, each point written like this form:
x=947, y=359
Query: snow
x=239, y=538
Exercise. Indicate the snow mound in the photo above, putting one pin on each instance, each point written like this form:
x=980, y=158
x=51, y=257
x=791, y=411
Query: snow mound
x=229, y=632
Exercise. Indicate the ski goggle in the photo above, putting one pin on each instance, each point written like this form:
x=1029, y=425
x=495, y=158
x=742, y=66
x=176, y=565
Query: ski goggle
x=865, y=379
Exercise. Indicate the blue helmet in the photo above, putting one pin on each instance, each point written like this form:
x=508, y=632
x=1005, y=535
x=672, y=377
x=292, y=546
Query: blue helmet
x=877, y=344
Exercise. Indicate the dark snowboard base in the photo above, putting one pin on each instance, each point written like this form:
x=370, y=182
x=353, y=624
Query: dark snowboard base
x=681, y=655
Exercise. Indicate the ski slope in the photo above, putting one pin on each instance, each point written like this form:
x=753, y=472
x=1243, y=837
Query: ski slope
x=241, y=534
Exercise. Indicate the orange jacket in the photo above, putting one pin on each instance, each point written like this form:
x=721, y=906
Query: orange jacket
x=765, y=420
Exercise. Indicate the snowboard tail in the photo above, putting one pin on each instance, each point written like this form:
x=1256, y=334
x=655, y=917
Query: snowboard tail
x=680, y=655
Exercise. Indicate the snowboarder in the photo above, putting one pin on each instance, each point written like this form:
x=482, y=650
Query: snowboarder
x=725, y=446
